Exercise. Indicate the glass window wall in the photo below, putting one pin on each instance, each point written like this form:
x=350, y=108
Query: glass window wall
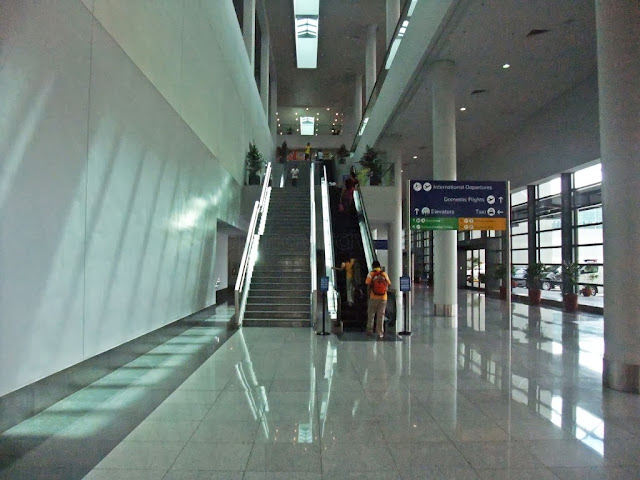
x=586, y=229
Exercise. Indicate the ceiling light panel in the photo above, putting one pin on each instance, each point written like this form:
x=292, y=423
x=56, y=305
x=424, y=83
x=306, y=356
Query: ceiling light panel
x=306, y=28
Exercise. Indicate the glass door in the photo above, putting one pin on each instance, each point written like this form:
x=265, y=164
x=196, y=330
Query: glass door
x=475, y=264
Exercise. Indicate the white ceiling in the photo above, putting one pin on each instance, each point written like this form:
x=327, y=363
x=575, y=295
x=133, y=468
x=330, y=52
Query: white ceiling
x=487, y=35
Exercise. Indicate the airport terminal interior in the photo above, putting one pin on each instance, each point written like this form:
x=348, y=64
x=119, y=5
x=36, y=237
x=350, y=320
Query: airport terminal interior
x=192, y=195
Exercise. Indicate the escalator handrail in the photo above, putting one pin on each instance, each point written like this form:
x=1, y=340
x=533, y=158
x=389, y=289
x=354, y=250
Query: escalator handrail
x=365, y=229
x=333, y=296
x=314, y=241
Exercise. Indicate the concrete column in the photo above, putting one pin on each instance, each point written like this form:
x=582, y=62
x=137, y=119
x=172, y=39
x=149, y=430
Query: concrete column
x=618, y=72
x=357, y=103
x=393, y=15
x=395, y=234
x=445, y=243
x=370, y=60
x=264, y=72
x=273, y=109
x=249, y=30
x=394, y=154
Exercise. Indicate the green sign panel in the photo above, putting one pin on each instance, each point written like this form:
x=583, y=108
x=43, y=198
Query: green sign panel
x=440, y=223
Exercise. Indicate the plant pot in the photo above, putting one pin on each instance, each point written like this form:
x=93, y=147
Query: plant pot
x=534, y=296
x=587, y=291
x=254, y=179
x=503, y=293
x=570, y=302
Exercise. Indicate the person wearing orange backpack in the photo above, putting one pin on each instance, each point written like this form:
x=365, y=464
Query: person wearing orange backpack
x=378, y=283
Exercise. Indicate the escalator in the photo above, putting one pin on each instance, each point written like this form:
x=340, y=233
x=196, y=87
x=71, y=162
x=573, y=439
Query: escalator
x=347, y=241
x=352, y=238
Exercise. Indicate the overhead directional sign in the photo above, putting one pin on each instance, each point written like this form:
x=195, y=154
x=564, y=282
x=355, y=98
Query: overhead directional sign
x=451, y=205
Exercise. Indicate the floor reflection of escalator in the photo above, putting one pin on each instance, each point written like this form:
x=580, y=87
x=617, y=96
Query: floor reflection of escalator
x=346, y=242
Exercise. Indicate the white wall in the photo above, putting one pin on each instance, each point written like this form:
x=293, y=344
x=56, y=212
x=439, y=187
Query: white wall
x=379, y=203
x=562, y=136
x=120, y=148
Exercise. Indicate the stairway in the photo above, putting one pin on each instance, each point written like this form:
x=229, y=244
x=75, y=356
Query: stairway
x=280, y=291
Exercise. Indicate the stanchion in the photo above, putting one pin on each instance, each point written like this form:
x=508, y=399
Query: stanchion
x=324, y=287
x=405, y=286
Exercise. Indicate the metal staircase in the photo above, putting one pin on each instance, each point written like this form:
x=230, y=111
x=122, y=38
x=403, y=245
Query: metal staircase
x=280, y=293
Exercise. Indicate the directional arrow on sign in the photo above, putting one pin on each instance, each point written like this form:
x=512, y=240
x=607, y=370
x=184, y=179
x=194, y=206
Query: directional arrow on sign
x=500, y=198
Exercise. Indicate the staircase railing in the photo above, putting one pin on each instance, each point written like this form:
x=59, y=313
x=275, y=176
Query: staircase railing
x=313, y=242
x=333, y=295
x=250, y=252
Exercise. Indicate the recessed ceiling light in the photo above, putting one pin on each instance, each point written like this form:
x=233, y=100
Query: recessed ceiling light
x=506, y=65
x=462, y=109
x=415, y=156
x=307, y=108
x=328, y=109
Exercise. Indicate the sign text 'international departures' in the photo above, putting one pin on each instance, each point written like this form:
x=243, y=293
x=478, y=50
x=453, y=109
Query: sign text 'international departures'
x=458, y=205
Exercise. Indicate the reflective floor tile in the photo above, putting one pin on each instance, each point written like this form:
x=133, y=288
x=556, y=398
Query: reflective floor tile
x=597, y=473
x=179, y=411
x=363, y=476
x=416, y=456
x=351, y=432
x=288, y=430
x=284, y=457
x=412, y=430
x=564, y=453
x=150, y=431
x=282, y=476
x=113, y=474
x=516, y=474
x=203, y=397
x=213, y=456
x=498, y=455
x=225, y=432
x=142, y=455
x=202, y=475
x=439, y=473
x=343, y=457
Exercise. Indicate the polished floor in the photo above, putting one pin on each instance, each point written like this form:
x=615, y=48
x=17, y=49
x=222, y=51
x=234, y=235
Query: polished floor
x=472, y=401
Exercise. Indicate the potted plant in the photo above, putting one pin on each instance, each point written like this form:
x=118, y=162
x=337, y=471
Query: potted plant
x=534, y=281
x=342, y=153
x=570, y=273
x=371, y=161
x=254, y=163
x=500, y=274
x=587, y=290
x=282, y=152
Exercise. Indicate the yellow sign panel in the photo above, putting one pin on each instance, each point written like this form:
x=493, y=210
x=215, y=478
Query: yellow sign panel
x=482, y=223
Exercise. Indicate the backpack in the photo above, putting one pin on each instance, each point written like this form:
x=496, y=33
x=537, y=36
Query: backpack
x=378, y=283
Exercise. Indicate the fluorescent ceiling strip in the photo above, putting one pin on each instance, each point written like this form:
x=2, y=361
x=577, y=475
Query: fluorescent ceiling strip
x=396, y=44
x=307, y=125
x=364, y=125
x=306, y=14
